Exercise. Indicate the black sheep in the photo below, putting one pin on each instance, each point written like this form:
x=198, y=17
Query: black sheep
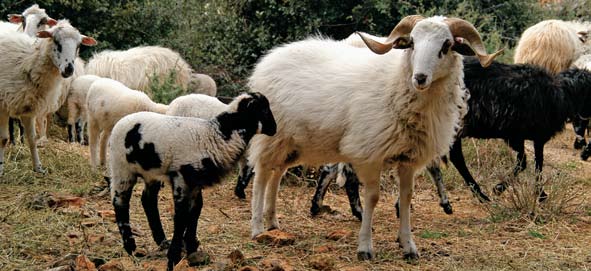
x=517, y=103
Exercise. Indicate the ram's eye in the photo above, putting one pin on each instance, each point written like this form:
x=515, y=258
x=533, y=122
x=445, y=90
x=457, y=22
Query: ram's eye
x=445, y=48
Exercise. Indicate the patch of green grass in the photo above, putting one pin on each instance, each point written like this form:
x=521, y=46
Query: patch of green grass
x=432, y=234
x=536, y=234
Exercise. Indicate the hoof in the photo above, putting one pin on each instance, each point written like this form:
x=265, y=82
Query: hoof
x=499, y=188
x=579, y=143
x=129, y=245
x=164, y=245
x=586, y=153
x=411, y=256
x=40, y=169
x=447, y=208
x=364, y=256
x=240, y=193
x=357, y=214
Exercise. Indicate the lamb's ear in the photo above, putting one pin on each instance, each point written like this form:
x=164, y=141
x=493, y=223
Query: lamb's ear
x=51, y=21
x=16, y=18
x=44, y=34
x=88, y=41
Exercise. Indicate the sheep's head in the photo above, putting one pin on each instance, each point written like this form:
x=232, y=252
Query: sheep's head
x=430, y=42
x=33, y=20
x=257, y=107
x=66, y=43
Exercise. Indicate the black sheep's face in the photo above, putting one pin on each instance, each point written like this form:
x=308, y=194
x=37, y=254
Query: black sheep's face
x=258, y=106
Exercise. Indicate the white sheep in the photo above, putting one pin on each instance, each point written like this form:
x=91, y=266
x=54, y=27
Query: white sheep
x=76, y=104
x=32, y=20
x=334, y=102
x=189, y=153
x=552, y=44
x=107, y=102
x=30, y=75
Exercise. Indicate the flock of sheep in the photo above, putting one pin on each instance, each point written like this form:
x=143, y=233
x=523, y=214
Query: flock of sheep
x=402, y=101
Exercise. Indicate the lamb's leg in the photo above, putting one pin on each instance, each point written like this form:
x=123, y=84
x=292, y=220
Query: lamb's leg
x=326, y=175
x=120, y=195
x=79, y=131
x=150, y=204
x=586, y=152
x=539, y=153
x=181, y=220
x=244, y=177
x=352, y=189
x=271, y=198
x=262, y=176
x=579, y=126
x=406, y=176
x=29, y=123
x=370, y=176
x=457, y=158
x=4, y=137
x=103, y=145
x=72, y=113
x=93, y=141
x=191, y=242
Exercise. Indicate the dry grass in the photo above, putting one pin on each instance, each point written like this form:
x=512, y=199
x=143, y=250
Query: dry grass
x=499, y=236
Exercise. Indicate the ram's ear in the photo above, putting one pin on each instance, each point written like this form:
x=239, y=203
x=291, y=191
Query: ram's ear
x=16, y=18
x=88, y=41
x=44, y=34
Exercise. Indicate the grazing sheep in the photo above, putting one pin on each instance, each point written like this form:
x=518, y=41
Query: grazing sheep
x=552, y=44
x=76, y=103
x=107, y=102
x=197, y=155
x=337, y=103
x=30, y=75
x=206, y=107
x=136, y=67
x=202, y=84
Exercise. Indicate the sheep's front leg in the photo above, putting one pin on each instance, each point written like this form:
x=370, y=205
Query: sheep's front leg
x=191, y=242
x=244, y=177
x=29, y=123
x=271, y=199
x=406, y=177
x=4, y=138
x=369, y=175
x=327, y=173
x=120, y=195
x=181, y=219
x=150, y=204
x=259, y=187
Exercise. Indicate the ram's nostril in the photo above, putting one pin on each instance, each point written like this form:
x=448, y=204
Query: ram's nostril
x=421, y=78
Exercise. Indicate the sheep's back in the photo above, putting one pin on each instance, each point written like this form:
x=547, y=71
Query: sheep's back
x=197, y=106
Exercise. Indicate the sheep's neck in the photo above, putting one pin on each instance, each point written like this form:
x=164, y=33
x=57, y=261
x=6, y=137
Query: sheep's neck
x=44, y=75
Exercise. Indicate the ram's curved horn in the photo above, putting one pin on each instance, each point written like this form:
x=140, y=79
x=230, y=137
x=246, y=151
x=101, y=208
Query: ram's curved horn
x=466, y=34
x=399, y=37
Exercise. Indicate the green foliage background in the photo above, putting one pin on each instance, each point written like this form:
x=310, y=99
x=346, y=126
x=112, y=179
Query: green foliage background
x=225, y=38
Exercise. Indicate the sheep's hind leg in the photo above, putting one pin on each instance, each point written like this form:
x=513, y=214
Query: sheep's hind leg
x=150, y=204
x=271, y=199
x=539, y=160
x=29, y=123
x=586, y=152
x=370, y=176
x=435, y=172
x=181, y=220
x=103, y=145
x=4, y=137
x=579, y=126
x=93, y=141
x=259, y=187
x=121, y=194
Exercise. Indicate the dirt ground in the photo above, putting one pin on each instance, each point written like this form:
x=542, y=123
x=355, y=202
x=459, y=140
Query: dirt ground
x=43, y=218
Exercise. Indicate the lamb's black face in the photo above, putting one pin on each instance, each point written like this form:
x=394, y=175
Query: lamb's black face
x=258, y=106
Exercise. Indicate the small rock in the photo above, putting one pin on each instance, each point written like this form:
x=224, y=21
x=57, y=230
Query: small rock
x=236, y=257
x=198, y=258
x=276, y=237
x=338, y=235
x=274, y=264
x=84, y=264
x=322, y=262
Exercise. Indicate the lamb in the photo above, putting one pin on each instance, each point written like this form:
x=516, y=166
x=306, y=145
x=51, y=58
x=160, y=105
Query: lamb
x=30, y=75
x=206, y=107
x=32, y=20
x=552, y=44
x=107, y=102
x=76, y=103
x=197, y=155
x=337, y=103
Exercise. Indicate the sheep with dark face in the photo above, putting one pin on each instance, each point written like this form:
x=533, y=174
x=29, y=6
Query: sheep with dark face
x=407, y=114
x=197, y=155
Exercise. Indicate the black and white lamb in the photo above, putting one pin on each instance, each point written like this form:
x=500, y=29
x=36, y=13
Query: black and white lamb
x=197, y=155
